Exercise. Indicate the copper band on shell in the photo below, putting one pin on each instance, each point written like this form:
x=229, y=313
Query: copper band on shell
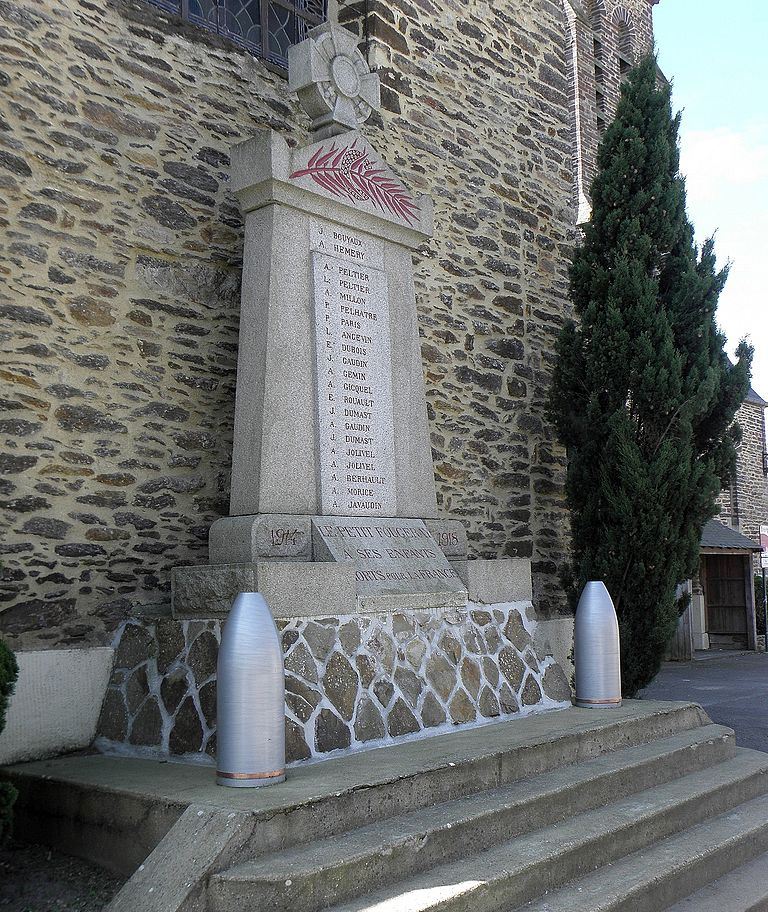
x=595, y=702
x=271, y=775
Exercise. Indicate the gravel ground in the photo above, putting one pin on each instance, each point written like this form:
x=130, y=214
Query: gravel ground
x=34, y=878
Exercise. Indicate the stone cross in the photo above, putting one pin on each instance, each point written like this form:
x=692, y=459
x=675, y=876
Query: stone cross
x=332, y=78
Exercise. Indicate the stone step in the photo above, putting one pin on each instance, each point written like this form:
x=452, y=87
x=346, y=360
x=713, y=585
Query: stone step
x=652, y=879
x=336, y=869
x=526, y=867
x=742, y=890
x=390, y=781
x=114, y=811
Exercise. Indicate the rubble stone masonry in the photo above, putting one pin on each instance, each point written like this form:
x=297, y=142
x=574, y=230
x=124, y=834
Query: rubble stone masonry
x=350, y=681
x=120, y=273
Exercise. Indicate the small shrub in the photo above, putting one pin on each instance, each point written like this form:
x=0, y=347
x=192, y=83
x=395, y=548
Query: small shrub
x=9, y=671
x=759, y=605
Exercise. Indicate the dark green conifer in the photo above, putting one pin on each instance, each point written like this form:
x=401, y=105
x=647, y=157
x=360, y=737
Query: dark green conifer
x=643, y=395
x=8, y=672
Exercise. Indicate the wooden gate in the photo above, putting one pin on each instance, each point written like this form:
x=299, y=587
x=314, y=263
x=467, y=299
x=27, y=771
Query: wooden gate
x=725, y=597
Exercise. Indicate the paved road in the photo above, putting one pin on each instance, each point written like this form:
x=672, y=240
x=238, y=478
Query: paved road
x=732, y=688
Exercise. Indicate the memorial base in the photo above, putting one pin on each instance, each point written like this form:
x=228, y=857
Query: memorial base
x=394, y=563
x=353, y=679
x=294, y=589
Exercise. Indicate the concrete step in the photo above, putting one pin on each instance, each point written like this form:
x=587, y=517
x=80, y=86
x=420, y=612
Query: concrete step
x=339, y=868
x=742, y=890
x=96, y=807
x=522, y=869
x=391, y=781
x=655, y=878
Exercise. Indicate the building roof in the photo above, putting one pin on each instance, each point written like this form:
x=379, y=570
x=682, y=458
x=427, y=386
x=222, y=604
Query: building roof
x=716, y=535
x=752, y=396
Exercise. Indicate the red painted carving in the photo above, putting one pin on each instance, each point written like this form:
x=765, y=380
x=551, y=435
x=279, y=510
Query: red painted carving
x=348, y=172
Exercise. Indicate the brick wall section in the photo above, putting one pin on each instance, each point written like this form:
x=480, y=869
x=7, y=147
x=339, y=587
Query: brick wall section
x=745, y=503
x=121, y=271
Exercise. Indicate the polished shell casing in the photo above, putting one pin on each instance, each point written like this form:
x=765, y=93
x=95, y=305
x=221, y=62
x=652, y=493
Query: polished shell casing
x=596, y=649
x=250, y=697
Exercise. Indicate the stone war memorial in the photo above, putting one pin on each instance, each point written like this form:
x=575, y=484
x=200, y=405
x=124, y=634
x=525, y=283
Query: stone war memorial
x=388, y=629
x=281, y=288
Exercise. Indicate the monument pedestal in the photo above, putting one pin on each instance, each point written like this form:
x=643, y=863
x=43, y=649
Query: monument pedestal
x=354, y=678
x=394, y=562
x=360, y=670
x=305, y=589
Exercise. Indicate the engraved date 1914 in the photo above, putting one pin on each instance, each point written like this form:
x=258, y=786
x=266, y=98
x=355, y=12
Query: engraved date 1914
x=282, y=537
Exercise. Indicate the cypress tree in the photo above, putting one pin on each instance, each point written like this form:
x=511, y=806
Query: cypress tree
x=643, y=394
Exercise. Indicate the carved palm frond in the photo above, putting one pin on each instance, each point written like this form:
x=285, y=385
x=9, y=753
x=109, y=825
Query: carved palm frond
x=349, y=173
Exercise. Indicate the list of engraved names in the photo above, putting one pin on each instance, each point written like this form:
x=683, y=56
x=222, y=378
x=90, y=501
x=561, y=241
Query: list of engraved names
x=354, y=373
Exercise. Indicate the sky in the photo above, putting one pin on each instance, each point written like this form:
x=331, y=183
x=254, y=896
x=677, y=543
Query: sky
x=714, y=53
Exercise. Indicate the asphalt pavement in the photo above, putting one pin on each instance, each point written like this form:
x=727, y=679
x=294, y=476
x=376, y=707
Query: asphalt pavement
x=731, y=686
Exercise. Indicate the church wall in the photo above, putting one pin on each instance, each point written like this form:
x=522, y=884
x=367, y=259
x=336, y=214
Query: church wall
x=477, y=114
x=121, y=262
x=605, y=36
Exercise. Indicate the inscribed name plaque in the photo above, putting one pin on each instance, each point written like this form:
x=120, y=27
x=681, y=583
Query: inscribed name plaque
x=354, y=373
x=390, y=556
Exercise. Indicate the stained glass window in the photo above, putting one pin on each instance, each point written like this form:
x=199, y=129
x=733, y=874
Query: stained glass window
x=267, y=28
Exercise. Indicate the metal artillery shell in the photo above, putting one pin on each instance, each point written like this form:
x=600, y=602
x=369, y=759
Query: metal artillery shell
x=250, y=697
x=596, y=649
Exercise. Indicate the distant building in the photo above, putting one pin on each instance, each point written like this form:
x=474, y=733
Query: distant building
x=723, y=600
x=744, y=503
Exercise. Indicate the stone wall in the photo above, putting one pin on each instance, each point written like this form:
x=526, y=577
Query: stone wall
x=121, y=268
x=477, y=114
x=120, y=304
x=351, y=681
x=744, y=504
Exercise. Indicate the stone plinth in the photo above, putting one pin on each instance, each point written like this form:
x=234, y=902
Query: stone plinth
x=291, y=589
x=393, y=560
x=244, y=539
x=352, y=678
x=307, y=589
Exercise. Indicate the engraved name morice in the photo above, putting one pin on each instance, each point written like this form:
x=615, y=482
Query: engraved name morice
x=354, y=372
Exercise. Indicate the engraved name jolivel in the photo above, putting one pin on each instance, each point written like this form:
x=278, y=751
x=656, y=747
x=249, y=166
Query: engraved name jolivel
x=354, y=382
